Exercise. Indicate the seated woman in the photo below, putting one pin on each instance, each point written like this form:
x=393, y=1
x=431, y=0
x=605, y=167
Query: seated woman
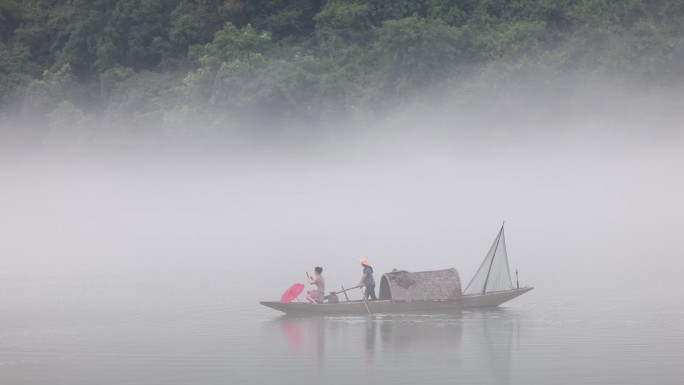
x=316, y=295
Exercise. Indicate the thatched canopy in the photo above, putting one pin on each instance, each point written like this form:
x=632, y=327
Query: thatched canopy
x=422, y=285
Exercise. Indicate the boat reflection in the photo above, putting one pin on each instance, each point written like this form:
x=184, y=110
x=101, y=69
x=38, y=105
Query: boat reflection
x=466, y=342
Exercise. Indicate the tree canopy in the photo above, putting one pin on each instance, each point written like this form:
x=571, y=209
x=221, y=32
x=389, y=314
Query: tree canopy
x=300, y=59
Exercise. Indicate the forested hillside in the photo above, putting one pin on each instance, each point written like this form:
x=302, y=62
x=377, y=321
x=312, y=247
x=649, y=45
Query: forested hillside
x=165, y=62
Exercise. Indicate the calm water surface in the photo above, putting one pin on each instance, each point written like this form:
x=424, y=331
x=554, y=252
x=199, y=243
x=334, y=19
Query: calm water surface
x=194, y=324
x=146, y=275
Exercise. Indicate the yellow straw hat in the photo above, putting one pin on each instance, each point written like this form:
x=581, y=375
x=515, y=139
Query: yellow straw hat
x=364, y=261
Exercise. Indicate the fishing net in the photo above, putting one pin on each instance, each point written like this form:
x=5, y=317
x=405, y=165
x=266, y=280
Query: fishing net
x=494, y=273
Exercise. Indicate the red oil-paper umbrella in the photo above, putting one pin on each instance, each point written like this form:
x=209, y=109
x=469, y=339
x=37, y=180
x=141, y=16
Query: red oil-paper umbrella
x=292, y=292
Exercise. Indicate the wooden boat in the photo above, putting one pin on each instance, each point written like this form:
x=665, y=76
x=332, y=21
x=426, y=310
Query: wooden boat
x=425, y=291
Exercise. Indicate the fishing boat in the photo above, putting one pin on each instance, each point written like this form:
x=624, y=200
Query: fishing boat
x=424, y=291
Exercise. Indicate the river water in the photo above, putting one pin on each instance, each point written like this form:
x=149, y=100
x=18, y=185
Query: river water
x=196, y=325
x=153, y=275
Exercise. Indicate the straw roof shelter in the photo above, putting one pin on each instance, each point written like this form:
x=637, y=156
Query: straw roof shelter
x=401, y=285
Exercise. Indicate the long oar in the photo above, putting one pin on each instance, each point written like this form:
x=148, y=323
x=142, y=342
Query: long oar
x=344, y=291
x=363, y=293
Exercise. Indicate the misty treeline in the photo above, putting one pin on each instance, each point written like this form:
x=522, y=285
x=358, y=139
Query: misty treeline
x=175, y=63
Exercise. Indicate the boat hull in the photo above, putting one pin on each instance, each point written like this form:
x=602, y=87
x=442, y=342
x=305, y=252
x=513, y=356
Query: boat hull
x=389, y=306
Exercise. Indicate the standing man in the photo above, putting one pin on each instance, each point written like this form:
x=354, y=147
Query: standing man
x=367, y=279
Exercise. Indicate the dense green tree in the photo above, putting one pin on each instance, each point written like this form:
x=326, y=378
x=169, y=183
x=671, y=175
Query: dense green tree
x=299, y=58
x=342, y=24
x=267, y=89
x=35, y=35
x=10, y=19
x=283, y=18
x=414, y=52
x=232, y=43
x=233, y=50
x=76, y=26
x=139, y=29
x=13, y=69
x=43, y=95
x=140, y=99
